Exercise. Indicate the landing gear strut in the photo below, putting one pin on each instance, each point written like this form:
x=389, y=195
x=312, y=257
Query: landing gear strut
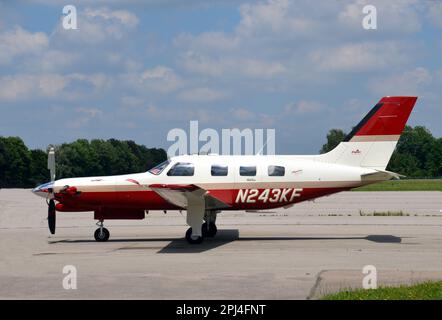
x=101, y=234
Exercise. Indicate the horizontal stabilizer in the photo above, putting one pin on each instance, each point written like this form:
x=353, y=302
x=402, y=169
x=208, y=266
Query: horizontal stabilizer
x=381, y=175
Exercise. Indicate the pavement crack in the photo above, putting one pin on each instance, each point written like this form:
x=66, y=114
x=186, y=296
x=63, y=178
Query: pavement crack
x=316, y=285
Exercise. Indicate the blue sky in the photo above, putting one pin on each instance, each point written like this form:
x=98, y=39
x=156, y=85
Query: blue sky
x=137, y=69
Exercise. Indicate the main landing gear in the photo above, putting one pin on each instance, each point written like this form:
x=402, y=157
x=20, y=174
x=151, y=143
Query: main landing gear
x=208, y=229
x=101, y=234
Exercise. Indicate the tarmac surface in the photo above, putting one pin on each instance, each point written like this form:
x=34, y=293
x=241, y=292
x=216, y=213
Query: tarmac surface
x=303, y=252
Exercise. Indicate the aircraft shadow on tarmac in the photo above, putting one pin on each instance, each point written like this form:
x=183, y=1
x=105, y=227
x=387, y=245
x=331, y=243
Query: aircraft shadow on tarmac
x=229, y=235
x=225, y=236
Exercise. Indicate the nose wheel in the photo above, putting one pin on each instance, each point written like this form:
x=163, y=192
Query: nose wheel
x=101, y=234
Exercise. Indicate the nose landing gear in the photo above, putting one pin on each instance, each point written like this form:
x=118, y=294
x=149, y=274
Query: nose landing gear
x=101, y=234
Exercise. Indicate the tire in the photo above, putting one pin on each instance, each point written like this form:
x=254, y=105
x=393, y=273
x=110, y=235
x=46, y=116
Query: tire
x=211, y=231
x=192, y=240
x=101, y=236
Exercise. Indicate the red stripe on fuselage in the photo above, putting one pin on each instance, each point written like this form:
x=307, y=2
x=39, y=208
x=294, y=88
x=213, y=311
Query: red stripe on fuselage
x=150, y=200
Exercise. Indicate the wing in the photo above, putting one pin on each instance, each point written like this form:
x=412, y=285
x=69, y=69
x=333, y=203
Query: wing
x=181, y=195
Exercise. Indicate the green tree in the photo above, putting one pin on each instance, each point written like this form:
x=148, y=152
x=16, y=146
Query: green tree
x=418, y=154
x=23, y=168
x=38, y=170
x=334, y=137
x=105, y=157
x=15, y=161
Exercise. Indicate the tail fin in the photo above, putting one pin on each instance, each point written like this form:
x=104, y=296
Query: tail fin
x=372, y=142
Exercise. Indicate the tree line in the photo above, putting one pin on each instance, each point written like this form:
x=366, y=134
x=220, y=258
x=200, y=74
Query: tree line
x=418, y=153
x=24, y=168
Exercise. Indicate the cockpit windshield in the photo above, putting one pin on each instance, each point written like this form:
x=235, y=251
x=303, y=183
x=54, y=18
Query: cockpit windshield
x=159, y=168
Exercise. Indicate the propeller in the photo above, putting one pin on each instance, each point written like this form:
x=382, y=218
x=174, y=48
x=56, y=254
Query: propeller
x=51, y=203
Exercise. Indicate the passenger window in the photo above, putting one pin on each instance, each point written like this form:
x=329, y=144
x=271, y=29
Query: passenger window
x=276, y=171
x=219, y=170
x=182, y=169
x=247, y=171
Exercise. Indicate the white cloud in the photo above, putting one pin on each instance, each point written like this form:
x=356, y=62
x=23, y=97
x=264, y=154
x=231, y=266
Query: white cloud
x=158, y=79
x=97, y=80
x=21, y=87
x=407, y=83
x=201, y=95
x=85, y=116
x=283, y=38
x=242, y=114
x=277, y=50
x=131, y=102
x=90, y=112
x=303, y=107
x=273, y=17
x=123, y=16
x=258, y=68
x=51, y=60
x=19, y=42
x=357, y=57
x=247, y=67
x=97, y=26
x=172, y=114
x=435, y=13
x=393, y=16
x=213, y=40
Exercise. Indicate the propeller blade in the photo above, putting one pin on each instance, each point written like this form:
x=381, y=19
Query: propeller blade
x=51, y=162
x=51, y=216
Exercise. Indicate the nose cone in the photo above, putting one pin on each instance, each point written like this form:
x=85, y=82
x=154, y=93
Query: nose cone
x=44, y=189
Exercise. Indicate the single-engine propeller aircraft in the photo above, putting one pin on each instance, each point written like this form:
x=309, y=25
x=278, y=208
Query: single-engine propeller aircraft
x=204, y=185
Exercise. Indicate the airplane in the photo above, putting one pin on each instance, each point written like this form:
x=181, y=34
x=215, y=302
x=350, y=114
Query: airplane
x=205, y=185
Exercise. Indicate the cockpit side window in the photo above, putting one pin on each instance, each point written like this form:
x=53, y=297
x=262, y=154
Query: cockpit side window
x=159, y=168
x=182, y=169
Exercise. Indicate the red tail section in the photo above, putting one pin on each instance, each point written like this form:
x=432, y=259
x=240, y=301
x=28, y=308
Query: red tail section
x=386, y=120
x=371, y=143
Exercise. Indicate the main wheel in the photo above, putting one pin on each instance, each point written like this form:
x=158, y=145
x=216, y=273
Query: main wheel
x=101, y=234
x=191, y=240
x=209, y=232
